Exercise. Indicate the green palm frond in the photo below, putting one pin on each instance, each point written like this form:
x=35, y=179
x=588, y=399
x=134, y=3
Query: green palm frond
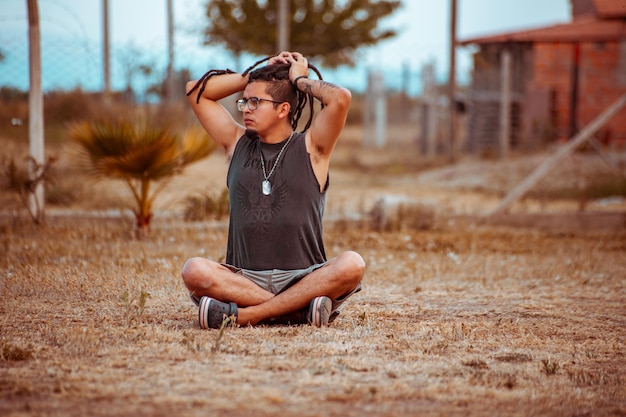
x=138, y=151
x=141, y=150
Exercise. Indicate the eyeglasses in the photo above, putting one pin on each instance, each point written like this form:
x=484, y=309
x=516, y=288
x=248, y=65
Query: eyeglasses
x=253, y=103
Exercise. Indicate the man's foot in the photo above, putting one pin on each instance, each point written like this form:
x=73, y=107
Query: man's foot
x=319, y=311
x=213, y=314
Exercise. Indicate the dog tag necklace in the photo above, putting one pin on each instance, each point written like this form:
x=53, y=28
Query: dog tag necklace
x=266, y=185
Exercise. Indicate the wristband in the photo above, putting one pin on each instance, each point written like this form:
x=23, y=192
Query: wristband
x=295, y=82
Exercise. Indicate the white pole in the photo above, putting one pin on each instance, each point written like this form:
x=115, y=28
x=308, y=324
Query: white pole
x=35, y=109
x=432, y=106
x=381, y=112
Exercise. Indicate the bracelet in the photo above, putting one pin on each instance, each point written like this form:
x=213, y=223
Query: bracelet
x=295, y=82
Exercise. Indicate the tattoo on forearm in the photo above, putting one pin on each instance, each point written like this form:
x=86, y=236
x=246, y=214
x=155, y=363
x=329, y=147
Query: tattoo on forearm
x=323, y=87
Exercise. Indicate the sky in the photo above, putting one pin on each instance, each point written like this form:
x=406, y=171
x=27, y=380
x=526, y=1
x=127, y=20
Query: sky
x=423, y=35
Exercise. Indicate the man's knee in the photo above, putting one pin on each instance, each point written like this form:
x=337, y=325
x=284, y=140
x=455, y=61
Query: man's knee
x=353, y=264
x=196, y=272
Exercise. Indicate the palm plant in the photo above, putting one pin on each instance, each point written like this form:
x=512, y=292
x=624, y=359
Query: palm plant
x=140, y=151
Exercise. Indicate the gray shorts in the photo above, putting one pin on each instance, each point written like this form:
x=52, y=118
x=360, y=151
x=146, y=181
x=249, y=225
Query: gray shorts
x=278, y=280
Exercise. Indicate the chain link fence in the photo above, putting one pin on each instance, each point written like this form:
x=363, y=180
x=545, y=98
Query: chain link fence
x=73, y=58
x=72, y=50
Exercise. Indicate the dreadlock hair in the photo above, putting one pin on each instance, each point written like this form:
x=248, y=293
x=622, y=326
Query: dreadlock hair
x=280, y=88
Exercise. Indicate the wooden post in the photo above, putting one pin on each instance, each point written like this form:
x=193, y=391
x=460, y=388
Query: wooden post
x=376, y=134
x=381, y=112
x=573, y=101
x=375, y=109
x=368, y=114
x=431, y=115
x=406, y=76
x=35, y=110
x=452, y=83
x=547, y=165
x=505, y=102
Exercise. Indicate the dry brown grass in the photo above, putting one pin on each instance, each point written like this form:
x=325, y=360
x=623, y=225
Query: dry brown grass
x=451, y=322
x=467, y=321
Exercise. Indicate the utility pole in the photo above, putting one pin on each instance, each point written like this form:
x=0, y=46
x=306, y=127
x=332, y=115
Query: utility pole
x=169, y=87
x=35, y=111
x=106, y=58
x=452, y=83
x=283, y=26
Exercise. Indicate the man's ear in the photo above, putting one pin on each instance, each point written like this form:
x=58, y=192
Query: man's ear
x=285, y=108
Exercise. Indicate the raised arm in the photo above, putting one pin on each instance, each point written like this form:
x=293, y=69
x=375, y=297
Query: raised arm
x=329, y=122
x=324, y=132
x=216, y=120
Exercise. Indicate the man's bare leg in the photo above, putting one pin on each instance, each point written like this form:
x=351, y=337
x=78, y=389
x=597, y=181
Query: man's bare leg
x=204, y=277
x=338, y=277
x=207, y=278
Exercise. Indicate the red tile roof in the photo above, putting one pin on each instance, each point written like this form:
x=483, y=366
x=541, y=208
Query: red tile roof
x=584, y=29
x=610, y=8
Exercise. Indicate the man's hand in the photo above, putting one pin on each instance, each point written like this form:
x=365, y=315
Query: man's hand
x=281, y=58
x=299, y=64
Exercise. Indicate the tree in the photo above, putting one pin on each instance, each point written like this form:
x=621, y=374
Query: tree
x=139, y=151
x=329, y=30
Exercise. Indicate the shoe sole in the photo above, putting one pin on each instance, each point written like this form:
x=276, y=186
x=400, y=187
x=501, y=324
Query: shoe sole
x=222, y=314
x=203, y=310
x=321, y=311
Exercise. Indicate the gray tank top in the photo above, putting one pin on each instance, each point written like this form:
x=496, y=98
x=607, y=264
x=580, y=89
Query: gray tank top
x=282, y=230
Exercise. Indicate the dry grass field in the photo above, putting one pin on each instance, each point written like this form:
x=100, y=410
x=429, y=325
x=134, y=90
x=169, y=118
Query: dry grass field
x=456, y=319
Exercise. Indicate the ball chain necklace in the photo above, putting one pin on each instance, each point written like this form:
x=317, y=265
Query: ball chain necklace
x=266, y=185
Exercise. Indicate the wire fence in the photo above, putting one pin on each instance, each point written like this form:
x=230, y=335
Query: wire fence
x=73, y=55
x=72, y=50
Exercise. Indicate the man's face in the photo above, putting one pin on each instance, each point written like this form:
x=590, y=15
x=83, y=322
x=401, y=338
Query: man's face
x=266, y=112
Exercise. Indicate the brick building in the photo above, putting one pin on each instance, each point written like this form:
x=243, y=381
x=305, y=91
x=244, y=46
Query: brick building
x=559, y=79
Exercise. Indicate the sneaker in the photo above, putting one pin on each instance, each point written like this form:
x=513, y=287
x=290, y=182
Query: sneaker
x=194, y=298
x=319, y=311
x=213, y=314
